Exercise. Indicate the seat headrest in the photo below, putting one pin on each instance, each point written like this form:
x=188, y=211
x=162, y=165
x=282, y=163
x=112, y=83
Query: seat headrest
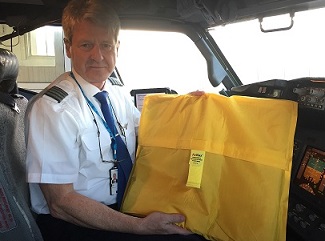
x=9, y=68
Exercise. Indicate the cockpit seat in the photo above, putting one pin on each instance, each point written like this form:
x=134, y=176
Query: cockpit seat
x=16, y=220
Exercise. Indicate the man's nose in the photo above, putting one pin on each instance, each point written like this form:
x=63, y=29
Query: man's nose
x=97, y=53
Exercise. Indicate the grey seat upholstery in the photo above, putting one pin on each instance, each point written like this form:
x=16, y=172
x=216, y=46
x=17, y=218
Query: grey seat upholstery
x=16, y=220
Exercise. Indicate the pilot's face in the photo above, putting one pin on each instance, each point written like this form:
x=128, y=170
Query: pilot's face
x=93, y=52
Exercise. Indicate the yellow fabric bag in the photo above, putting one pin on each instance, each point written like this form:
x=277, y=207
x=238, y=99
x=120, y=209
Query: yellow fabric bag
x=223, y=162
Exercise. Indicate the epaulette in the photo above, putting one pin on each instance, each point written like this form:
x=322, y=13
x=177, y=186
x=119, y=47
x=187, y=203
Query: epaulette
x=56, y=93
x=115, y=81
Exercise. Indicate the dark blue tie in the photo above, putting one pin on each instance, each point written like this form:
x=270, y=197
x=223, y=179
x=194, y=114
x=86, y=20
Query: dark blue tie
x=124, y=163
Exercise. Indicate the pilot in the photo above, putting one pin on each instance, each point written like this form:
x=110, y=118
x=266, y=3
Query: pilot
x=71, y=152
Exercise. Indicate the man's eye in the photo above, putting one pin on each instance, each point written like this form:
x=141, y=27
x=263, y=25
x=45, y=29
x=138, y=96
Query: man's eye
x=107, y=46
x=86, y=46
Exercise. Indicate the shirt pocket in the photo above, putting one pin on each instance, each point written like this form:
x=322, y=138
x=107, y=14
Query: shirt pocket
x=92, y=168
x=95, y=148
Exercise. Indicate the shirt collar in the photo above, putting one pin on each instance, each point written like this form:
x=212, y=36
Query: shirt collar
x=89, y=89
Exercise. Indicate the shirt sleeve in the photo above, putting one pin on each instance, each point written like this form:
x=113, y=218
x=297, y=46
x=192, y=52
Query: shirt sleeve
x=52, y=148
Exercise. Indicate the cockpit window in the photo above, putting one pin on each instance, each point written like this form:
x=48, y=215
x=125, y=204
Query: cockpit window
x=256, y=56
x=153, y=59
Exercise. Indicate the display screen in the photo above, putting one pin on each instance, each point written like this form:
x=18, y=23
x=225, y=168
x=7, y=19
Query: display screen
x=311, y=172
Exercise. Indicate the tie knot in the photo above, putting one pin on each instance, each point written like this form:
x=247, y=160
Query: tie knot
x=101, y=96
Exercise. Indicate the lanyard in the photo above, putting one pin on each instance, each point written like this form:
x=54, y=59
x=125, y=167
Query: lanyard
x=93, y=108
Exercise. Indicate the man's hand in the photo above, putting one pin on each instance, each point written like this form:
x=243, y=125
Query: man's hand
x=197, y=93
x=66, y=204
x=162, y=223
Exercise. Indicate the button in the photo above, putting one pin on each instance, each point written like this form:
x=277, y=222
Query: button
x=296, y=219
x=300, y=207
x=312, y=217
x=322, y=226
x=303, y=224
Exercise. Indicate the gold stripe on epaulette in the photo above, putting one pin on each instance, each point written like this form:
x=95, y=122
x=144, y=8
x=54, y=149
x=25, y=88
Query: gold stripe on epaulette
x=56, y=93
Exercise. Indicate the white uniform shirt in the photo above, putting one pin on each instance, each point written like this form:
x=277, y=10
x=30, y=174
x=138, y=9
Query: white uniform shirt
x=62, y=141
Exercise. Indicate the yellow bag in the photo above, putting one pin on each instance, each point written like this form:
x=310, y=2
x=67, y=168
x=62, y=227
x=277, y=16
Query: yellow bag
x=223, y=162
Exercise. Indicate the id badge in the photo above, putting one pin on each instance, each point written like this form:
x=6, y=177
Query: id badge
x=113, y=176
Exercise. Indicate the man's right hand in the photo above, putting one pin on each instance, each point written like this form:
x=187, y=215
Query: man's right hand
x=162, y=223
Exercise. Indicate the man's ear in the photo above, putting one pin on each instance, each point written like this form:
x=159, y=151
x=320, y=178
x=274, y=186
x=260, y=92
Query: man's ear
x=67, y=44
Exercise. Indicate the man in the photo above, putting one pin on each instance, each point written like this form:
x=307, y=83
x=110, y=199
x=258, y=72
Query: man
x=70, y=156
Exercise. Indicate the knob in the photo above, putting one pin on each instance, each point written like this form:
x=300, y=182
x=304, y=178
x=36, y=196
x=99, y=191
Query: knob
x=312, y=217
x=322, y=226
x=303, y=224
x=300, y=91
x=303, y=98
x=312, y=99
x=317, y=92
x=300, y=207
x=296, y=219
